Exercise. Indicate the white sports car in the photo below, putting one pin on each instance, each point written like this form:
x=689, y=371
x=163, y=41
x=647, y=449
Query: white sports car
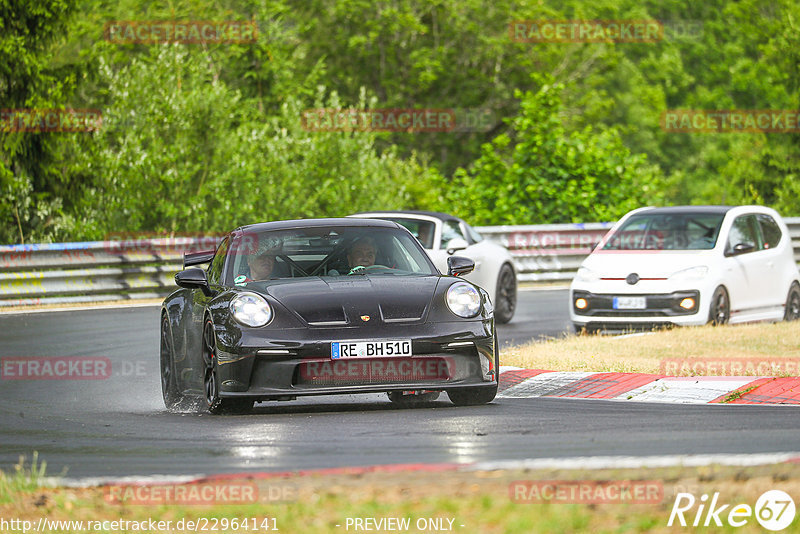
x=688, y=265
x=442, y=235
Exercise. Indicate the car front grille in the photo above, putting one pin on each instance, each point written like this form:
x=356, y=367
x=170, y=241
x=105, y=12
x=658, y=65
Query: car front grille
x=357, y=372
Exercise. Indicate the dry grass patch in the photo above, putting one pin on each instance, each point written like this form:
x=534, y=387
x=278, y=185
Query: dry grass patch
x=776, y=345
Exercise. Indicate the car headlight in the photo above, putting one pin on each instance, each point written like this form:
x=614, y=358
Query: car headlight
x=251, y=310
x=463, y=300
x=586, y=275
x=691, y=274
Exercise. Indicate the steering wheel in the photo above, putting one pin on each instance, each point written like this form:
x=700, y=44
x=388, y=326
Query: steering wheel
x=361, y=269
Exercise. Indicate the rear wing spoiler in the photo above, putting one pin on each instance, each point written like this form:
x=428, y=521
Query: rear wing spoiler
x=197, y=258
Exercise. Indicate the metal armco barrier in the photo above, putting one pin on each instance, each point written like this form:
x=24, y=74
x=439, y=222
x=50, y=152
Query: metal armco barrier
x=92, y=271
x=115, y=270
x=547, y=252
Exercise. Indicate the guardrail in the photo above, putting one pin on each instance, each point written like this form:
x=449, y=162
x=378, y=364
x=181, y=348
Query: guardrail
x=547, y=252
x=116, y=270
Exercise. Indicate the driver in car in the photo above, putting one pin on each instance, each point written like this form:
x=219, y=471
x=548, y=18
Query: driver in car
x=362, y=253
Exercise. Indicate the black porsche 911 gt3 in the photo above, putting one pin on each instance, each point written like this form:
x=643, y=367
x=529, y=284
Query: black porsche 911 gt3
x=324, y=306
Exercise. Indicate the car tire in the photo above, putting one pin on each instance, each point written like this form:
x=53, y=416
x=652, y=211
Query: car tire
x=214, y=402
x=409, y=401
x=173, y=398
x=719, y=312
x=792, y=310
x=506, y=295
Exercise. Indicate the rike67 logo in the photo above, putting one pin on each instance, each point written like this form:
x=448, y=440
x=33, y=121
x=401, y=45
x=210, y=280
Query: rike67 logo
x=774, y=510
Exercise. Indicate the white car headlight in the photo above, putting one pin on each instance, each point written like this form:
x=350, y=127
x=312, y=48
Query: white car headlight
x=691, y=274
x=251, y=310
x=586, y=275
x=463, y=300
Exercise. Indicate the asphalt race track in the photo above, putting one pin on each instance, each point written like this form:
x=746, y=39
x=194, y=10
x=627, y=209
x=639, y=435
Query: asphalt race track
x=118, y=426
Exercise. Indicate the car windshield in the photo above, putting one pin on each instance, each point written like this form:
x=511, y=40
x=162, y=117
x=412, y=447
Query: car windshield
x=326, y=251
x=667, y=231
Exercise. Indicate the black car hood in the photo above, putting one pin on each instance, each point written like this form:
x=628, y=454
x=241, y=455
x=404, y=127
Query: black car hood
x=347, y=300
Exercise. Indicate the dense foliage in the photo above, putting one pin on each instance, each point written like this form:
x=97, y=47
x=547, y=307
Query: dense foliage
x=204, y=137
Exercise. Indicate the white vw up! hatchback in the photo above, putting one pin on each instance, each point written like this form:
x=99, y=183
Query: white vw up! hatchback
x=688, y=265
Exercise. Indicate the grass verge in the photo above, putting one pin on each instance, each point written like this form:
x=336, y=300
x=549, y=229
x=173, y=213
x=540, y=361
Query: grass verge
x=744, y=350
x=24, y=479
x=456, y=501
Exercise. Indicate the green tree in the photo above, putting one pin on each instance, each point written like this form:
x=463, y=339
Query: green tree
x=32, y=191
x=541, y=173
x=184, y=152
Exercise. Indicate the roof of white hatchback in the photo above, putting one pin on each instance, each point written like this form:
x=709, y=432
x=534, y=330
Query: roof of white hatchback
x=675, y=210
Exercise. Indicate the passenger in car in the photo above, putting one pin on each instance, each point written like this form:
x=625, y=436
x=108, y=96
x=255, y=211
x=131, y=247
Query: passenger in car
x=262, y=262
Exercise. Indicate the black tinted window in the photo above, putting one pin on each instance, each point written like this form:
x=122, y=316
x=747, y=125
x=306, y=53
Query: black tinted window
x=770, y=231
x=744, y=232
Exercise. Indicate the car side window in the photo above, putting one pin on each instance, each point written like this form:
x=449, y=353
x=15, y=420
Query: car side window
x=217, y=264
x=450, y=230
x=744, y=231
x=770, y=231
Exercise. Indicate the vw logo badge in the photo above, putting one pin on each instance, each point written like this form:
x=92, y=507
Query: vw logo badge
x=632, y=279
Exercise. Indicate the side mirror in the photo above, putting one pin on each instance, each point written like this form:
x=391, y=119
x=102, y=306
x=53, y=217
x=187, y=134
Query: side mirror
x=459, y=265
x=741, y=248
x=194, y=279
x=456, y=244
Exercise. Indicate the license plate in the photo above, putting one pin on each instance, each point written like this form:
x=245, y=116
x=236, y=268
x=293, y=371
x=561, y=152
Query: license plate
x=630, y=303
x=341, y=350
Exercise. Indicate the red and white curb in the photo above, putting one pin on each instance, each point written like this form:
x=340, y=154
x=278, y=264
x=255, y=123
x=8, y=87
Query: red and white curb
x=529, y=383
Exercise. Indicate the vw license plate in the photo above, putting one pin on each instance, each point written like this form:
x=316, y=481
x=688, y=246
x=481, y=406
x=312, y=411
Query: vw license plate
x=341, y=350
x=630, y=303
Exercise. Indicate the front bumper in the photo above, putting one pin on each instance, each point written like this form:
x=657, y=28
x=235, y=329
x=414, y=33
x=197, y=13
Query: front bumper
x=445, y=356
x=601, y=310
